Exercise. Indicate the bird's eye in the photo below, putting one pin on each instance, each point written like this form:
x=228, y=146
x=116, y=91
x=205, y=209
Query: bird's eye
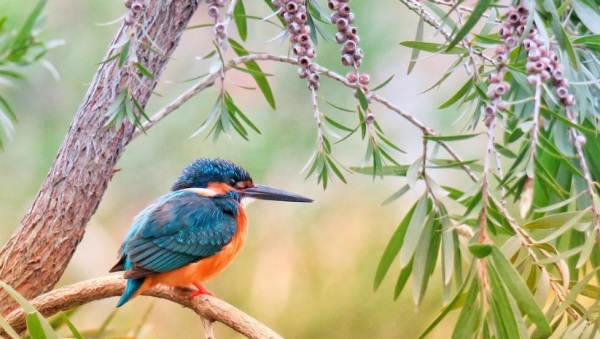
x=232, y=182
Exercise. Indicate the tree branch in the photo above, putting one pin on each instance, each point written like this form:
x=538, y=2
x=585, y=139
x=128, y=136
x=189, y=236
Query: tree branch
x=87, y=291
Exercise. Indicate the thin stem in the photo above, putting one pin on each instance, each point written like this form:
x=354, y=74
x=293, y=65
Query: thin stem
x=579, y=140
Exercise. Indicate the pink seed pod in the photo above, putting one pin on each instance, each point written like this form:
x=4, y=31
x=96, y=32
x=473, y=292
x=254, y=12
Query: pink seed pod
x=294, y=28
x=543, y=51
x=491, y=92
x=534, y=55
x=128, y=3
x=500, y=49
x=344, y=10
x=350, y=18
x=311, y=53
x=502, y=88
x=213, y=11
x=522, y=10
x=349, y=47
x=305, y=29
x=342, y=24
x=501, y=105
x=347, y=60
x=532, y=80
x=304, y=39
x=489, y=110
x=364, y=79
x=340, y=37
x=314, y=78
x=300, y=18
x=334, y=5
x=562, y=92
x=544, y=75
x=137, y=7
x=302, y=73
x=358, y=54
x=529, y=44
x=494, y=78
x=291, y=7
x=369, y=118
x=129, y=19
x=351, y=77
x=511, y=41
x=513, y=18
x=569, y=100
x=335, y=17
x=299, y=50
x=304, y=61
x=520, y=29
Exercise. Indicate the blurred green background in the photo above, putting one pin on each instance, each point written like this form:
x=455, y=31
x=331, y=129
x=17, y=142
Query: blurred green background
x=307, y=270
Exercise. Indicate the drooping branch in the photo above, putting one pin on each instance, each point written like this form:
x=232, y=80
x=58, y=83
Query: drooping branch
x=87, y=291
x=38, y=252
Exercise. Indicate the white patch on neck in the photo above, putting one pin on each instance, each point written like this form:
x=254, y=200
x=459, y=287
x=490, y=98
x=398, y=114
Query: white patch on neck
x=204, y=192
x=246, y=201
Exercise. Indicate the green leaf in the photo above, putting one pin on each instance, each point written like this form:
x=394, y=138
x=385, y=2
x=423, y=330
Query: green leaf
x=396, y=195
x=414, y=230
x=72, y=327
x=558, y=220
x=23, y=38
x=463, y=91
x=453, y=304
x=251, y=72
x=398, y=170
x=516, y=286
x=362, y=99
x=469, y=314
x=415, y=52
x=425, y=257
x=380, y=86
x=239, y=16
x=479, y=9
x=402, y=279
x=433, y=47
x=480, y=250
x=261, y=80
x=393, y=247
x=144, y=70
x=504, y=318
x=450, y=137
x=587, y=14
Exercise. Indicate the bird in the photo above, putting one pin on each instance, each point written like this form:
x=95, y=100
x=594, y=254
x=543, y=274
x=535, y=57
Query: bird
x=192, y=233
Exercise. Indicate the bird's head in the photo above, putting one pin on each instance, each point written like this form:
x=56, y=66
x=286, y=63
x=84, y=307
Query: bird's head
x=219, y=177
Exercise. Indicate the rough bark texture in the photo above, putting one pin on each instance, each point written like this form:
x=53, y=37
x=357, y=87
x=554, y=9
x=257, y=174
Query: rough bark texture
x=87, y=291
x=38, y=252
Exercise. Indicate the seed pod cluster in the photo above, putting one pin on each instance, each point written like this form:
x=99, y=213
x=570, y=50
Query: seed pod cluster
x=294, y=13
x=347, y=36
x=135, y=8
x=214, y=7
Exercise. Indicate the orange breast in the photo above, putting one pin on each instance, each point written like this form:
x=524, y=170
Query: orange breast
x=206, y=268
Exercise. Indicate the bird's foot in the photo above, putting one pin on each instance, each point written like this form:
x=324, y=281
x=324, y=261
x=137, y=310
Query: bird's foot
x=201, y=291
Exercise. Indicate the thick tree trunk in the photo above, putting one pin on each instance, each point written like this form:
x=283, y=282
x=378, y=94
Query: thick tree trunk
x=37, y=254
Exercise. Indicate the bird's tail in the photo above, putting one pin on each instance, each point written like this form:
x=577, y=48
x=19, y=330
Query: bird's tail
x=133, y=285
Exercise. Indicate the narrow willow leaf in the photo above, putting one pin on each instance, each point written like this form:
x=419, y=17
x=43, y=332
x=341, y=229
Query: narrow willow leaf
x=504, y=319
x=427, y=249
x=239, y=16
x=451, y=137
x=7, y=329
x=393, y=248
x=587, y=14
x=252, y=72
x=414, y=56
x=570, y=224
x=413, y=231
x=458, y=298
x=590, y=291
x=468, y=315
x=586, y=251
x=23, y=37
x=413, y=172
x=575, y=291
x=433, y=47
x=144, y=70
x=25, y=305
x=557, y=220
x=560, y=204
x=462, y=92
x=480, y=8
x=395, y=170
x=402, y=279
x=399, y=193
x=383, y=84
x=72, y=327
x=448, y=244
x=515, y=284
x=362, y=99
x=261, y=80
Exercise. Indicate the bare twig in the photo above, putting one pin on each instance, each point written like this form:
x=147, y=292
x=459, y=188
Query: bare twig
x=84, y=292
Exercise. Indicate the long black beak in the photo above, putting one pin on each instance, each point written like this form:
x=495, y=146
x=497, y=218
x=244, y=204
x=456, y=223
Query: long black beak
x=270, y=193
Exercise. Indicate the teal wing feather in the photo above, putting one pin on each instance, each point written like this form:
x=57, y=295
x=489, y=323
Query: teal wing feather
x=180, y=228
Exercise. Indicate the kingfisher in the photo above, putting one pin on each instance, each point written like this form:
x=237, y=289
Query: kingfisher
x=193, y=232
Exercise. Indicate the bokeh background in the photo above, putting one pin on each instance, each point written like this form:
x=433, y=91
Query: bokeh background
x=307, y=270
